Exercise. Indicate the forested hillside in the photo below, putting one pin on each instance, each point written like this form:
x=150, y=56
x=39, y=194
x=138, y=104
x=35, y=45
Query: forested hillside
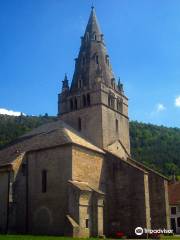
x=12, y=127
x=155, y=146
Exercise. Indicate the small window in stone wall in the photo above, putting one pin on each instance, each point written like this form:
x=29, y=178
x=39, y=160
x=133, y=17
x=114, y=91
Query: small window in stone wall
x=23, y=169
x=88, y=100
x=178, y=221
x=71, y=104
x=84, y=101
x=111, y=100
x=173, y=210
x=87, y=223
x=87, y=36
x=117, y=126
x=119, y=105
x=75, y=104
x=113, y=83
x=97, y=59
x=79, y=124
x=107, y=60
x=80, y=83
x=44, y=181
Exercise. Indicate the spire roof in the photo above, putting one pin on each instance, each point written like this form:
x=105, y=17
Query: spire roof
x=93, y=25
x=92, y=67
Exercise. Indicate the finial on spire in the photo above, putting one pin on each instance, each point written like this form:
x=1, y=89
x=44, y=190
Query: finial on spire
x=120, y=85
x=92, y=6
x=65, y=84
x=65, y=77
x=119, y=81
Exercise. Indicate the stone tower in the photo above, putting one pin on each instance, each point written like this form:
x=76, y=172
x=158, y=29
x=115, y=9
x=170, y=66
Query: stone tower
x=95, y=104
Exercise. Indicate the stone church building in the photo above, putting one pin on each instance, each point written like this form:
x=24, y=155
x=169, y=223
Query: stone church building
x=76, y=176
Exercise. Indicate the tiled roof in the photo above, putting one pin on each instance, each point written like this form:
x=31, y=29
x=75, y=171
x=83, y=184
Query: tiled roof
x=174, y=193
x=48, y=135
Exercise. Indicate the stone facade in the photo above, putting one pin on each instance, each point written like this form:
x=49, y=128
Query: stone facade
x=75, y=177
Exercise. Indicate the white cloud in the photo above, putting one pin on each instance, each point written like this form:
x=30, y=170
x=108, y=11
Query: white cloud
x=177, y=101
x=160, y=107
x=157, y=110
x=9, y=112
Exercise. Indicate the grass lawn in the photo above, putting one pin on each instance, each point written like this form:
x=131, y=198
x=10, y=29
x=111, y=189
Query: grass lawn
x=171, y=237
x=30, y=237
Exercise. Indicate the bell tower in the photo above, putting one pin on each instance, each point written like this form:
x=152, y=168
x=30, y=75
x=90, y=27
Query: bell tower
x=95, y=104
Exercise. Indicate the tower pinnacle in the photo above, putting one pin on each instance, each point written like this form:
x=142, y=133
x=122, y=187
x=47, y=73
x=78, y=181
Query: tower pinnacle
x=65, y=84
x=92, y=66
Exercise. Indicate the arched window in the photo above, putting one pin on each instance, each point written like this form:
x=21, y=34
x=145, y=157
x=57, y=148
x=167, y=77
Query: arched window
x=113, y=83
x=107, y=60
x=87, y=36
x=79, y=124
x=75, y=104
x=120, y=105
x=87, y=223
x=111, y=100
x=88, y=100
x=84, y=101
x=80, y=83
x=44, y=180
x=71, y=104
x=95, y=38
x=97, y=59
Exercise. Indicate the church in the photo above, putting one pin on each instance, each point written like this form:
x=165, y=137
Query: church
x=75, y=176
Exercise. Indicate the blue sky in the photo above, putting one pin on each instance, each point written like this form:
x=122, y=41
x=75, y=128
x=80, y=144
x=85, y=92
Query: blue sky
x=39, y=40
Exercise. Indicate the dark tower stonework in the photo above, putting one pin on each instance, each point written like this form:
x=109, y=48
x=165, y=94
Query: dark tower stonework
x=95, y=104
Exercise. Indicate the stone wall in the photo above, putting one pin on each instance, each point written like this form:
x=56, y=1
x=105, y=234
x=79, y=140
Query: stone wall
x=126, y=205
x=158, y=195
x=87, y=166
x=158, y=202
x=110, y=135
x=47, y=210
x=4, y=181
x=91, y=118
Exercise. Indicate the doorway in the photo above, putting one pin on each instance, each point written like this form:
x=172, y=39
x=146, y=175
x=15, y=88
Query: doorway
x=173, y=224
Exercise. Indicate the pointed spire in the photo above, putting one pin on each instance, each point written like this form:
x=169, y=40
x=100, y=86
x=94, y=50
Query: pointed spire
x=93, y=25
x=92, y=66
x=120, y=85
x=65, y=84
x=119, y=82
